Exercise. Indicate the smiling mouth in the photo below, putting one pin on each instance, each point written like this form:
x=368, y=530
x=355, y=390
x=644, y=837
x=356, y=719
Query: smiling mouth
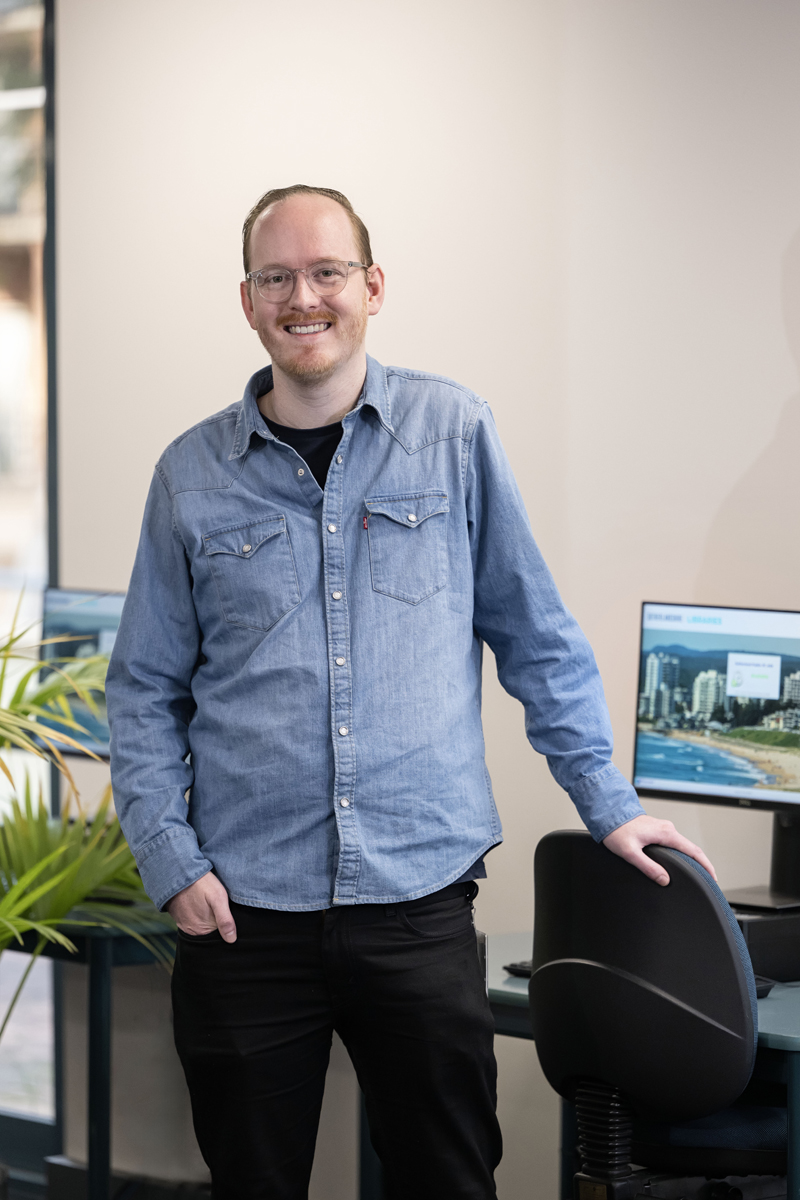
x=303, y=330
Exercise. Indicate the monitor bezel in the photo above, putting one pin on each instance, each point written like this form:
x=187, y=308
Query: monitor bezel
x=694, y=797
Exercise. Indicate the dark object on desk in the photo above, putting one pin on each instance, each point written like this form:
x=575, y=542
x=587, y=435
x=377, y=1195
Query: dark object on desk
x=644, y=1014
x=764, y=986
x=773, y=942
x=522, y=970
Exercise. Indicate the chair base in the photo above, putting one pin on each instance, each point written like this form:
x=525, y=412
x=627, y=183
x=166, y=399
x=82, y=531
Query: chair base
x=648, y=1185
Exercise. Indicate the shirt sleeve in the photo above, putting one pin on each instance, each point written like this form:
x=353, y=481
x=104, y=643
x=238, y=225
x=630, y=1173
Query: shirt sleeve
x=150, y=705
x=543, y=658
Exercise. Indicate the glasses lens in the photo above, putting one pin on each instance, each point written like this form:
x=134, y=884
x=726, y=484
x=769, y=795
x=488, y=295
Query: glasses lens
x=327, y=278
x=274, y=285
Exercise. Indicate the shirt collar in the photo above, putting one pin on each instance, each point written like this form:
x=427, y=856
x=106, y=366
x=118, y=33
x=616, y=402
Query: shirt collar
x=249, y=419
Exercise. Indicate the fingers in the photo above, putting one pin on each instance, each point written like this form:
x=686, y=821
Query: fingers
x=652, y=870
x=629, y=840
x=677, y=841
x=202, y=907
x=217, y=899
x=222, y=915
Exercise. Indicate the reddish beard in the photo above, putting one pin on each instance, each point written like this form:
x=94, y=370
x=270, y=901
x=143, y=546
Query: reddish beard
x=315, y=365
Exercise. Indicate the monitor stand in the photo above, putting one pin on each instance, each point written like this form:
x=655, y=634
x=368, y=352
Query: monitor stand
x=783, y=892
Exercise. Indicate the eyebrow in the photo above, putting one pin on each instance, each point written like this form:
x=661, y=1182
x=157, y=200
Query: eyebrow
x=313, y=263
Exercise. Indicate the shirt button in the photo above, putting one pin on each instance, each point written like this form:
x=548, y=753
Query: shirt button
x=339, y=458
x=340, y=662
x=300, y=471
x=412, y=516
x=345, y=803
x=331, y=529
x=343, y=730
x=336, y=595
x=246, y=547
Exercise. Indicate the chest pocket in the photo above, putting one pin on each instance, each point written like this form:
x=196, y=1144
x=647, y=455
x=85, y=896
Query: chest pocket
x=253, y=568
x=408, y=544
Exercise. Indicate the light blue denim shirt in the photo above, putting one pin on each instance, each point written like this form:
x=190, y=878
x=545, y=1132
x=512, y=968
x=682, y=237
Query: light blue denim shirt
x=295, y=690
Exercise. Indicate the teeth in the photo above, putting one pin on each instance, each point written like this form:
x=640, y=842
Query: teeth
x=308, y=328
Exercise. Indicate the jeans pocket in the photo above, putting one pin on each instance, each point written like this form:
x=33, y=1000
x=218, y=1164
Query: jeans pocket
x=439, y=919
x=254, y=572
x=408, y=544
x=213, y=935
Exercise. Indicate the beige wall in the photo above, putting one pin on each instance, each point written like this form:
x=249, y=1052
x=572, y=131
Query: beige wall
x=626, y=176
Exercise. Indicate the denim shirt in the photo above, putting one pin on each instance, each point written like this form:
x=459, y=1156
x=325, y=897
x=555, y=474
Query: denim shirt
x=295, y=690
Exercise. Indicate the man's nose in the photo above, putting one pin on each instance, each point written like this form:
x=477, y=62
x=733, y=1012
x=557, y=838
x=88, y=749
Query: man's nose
x=302, y=296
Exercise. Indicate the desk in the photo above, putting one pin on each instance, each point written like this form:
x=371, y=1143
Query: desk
x=778, y=1056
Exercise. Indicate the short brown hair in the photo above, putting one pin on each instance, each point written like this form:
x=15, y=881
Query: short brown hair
x=275, y=195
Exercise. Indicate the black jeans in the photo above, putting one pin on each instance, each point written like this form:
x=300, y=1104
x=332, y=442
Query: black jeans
x=402, y=986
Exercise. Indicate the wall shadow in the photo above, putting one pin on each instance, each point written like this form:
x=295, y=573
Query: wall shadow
x=752, y=555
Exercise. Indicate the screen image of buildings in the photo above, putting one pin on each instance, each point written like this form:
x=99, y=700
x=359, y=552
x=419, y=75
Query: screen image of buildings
x=690, y=728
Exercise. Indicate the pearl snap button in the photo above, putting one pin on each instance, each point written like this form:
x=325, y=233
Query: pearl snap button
x=336, y=595
x=331, y=529
x=300, y=471
x=345, y=803
x=412, y=516
x=340, y=662
x=343, y=730
x=246, y=547
x=339, y=458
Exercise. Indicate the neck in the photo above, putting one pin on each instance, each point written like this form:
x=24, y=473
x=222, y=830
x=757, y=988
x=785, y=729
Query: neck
x=308, y=404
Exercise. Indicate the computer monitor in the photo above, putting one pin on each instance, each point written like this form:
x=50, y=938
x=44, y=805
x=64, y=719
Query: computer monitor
x=88, y=621
x=718, y=720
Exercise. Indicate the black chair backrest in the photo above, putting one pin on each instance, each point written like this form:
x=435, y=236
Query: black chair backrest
x=645, y=988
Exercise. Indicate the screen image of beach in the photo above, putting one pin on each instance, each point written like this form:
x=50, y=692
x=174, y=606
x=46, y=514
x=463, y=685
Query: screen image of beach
x=87, y=622
x=719, y=704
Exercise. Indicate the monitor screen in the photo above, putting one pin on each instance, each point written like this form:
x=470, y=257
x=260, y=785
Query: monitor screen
x=88, y=621
x=718, y=714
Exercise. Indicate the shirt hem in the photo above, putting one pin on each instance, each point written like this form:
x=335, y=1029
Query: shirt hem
x=393, y=898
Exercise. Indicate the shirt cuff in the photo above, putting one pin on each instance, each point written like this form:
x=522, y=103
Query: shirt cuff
x=169, y=863
x=605, y=800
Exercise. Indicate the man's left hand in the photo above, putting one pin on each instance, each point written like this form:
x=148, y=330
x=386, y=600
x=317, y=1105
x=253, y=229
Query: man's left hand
x=629, y=840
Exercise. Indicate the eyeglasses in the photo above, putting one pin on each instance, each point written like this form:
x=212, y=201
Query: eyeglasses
x=326, y=278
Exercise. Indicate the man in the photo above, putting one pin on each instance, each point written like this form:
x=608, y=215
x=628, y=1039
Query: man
x=300, y=655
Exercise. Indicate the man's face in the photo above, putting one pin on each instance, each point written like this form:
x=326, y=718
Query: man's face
x=296, y=233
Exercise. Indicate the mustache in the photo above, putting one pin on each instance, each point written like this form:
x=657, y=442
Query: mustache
x=314, y=318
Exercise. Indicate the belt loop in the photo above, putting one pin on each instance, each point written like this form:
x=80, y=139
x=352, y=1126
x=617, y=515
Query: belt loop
x=471, y=892
x=389, y=911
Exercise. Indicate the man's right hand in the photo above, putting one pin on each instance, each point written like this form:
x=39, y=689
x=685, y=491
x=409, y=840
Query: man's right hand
x=203, y=907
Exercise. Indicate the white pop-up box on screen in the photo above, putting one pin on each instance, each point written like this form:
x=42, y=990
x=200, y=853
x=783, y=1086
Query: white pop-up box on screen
x=755, y=676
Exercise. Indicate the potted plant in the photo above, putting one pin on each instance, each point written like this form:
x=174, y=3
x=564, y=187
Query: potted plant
x=58, y=874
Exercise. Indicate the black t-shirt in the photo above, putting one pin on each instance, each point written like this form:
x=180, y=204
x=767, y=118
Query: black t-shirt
x=315, y=446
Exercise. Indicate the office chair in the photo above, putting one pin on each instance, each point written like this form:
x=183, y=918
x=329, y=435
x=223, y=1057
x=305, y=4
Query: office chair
x=643, y=1007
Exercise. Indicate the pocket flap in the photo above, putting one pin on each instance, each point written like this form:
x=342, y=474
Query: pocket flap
x=410, y=510
x=244, y=540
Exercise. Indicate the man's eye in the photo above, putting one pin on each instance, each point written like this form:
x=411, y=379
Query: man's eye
x=328, y=273
x=275, y=279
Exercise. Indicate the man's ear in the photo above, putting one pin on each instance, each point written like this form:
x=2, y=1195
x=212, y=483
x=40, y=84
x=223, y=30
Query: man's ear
x=247, y=303
x=376, y=289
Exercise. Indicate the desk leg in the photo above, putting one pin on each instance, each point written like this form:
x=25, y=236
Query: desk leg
x=99, y=1173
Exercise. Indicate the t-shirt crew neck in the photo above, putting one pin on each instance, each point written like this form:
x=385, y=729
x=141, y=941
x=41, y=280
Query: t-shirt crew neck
x=315, y=446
